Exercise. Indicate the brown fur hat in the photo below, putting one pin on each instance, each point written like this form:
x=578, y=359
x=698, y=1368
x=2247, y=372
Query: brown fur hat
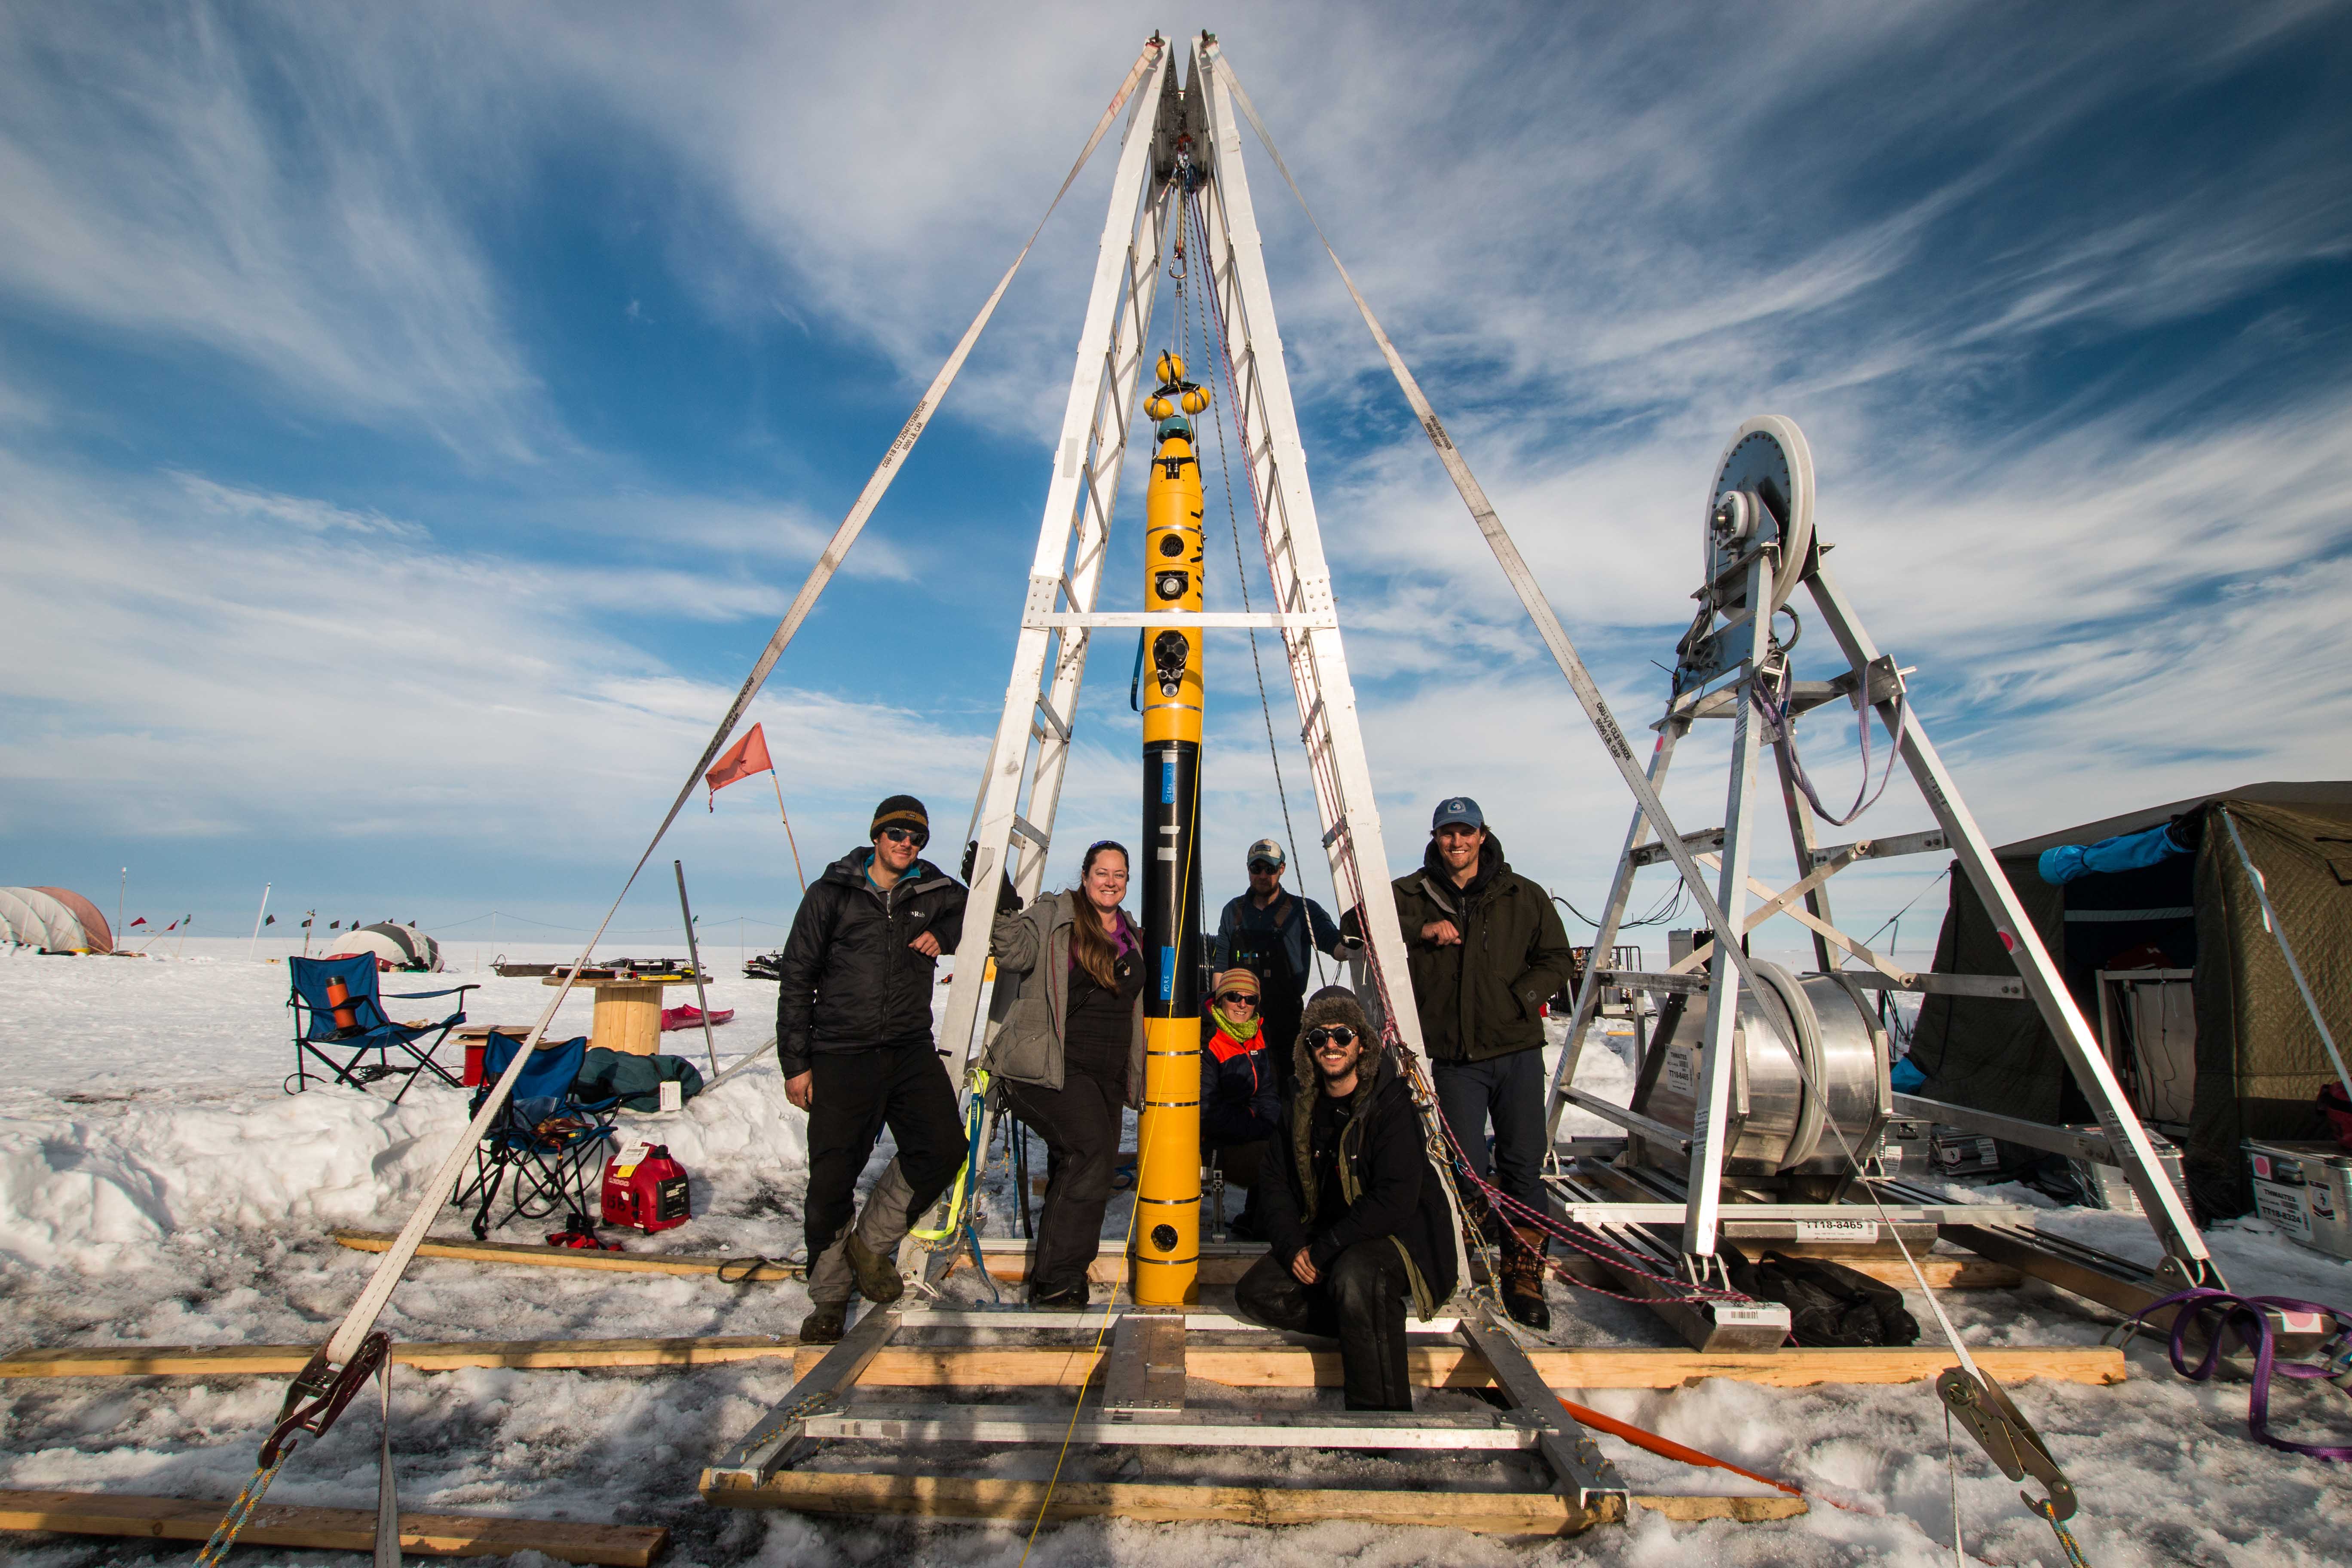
x=1332, y=1004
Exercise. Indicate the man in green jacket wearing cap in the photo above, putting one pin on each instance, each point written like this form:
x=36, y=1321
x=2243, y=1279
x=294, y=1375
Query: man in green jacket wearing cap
x=1486, y=951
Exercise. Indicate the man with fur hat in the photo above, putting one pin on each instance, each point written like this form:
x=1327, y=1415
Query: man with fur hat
x=854, y=1038
x=1357, y=1221
x=1486, y=951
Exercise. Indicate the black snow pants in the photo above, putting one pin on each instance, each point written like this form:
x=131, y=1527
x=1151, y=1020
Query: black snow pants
x=858, y=1093
x=1080, y=1122
x=1358, y=1299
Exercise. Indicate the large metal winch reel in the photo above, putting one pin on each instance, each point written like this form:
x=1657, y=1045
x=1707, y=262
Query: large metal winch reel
x=1776, y=1125
x=1762, y=494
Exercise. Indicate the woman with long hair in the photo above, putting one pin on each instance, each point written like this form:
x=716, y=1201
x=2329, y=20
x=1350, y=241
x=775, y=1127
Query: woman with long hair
x=1067, y=1052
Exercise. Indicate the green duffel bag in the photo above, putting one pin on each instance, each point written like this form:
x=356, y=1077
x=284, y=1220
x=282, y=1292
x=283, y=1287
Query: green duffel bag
x=635, y=1081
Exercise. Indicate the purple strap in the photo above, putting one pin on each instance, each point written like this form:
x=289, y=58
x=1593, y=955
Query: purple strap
x=2214, y=1312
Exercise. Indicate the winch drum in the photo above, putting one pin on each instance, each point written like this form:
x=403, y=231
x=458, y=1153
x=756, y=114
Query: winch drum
x=1777, y=1125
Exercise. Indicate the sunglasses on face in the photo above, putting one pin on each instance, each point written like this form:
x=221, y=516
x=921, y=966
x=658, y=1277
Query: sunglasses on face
x=1330, y=1034
x=907, y=835
x=1230, y=997
x=1264, y=866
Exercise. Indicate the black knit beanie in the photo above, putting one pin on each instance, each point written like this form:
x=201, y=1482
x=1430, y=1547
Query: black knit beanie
x=900, y=811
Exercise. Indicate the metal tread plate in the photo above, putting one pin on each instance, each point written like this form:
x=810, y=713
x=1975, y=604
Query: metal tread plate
x=1229, y=1428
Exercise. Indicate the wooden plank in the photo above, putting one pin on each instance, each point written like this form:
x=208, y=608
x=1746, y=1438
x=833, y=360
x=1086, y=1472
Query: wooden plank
x=1745, y=1509
x=943, y=1366
x=544, y=1257
x=148, y=1518
x=191, y=1361
x=936, y=1497
x=1446, y=1366
x=1110, y=1268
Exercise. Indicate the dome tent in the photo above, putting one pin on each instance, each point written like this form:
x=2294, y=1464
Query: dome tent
x=394, y=946
x=55, y=919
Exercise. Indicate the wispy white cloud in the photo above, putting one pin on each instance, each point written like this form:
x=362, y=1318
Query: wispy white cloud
x=276, y=663
x=187, y=176
x=1602, y=237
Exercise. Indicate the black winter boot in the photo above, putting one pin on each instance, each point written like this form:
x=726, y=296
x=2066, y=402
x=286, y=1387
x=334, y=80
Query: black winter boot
x=824, y=1323
x=1523, y=1279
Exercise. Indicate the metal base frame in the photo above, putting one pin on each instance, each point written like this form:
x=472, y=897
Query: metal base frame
x=1180, y=146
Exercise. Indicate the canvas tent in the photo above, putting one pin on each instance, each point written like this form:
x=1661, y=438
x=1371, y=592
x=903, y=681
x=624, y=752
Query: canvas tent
x=2258, y=1056
x=56, y=918
x=394, y=946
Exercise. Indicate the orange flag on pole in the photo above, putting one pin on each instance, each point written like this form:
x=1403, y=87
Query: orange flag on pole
x=744, y=758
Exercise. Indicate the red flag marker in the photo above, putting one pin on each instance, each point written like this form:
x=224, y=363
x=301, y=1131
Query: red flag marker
x=744, y=758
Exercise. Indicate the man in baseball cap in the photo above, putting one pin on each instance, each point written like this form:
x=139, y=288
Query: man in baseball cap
x=1275, y=935
x=1487, y=949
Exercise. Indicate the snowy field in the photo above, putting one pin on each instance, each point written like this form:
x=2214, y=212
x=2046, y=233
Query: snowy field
x=156, y=1188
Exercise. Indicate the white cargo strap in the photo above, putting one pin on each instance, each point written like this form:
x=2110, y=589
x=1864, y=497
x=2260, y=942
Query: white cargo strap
x=372, y=1301
x=1572, y=665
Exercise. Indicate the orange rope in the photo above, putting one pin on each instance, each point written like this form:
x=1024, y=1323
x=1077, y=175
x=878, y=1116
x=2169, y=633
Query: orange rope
x=1666, y=1447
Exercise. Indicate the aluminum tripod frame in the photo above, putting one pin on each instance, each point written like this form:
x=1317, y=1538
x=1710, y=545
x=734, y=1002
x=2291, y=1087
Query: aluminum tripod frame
x=1059, y=617
x=1180, y=148
x=1871, y=678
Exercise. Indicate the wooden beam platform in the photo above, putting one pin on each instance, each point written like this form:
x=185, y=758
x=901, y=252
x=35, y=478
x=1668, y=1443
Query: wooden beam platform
x=1491, y=1513
x=956, y=1366
x=1447, y=1366
x=146, y=1518
x=544, y=1257
x=194, y=1361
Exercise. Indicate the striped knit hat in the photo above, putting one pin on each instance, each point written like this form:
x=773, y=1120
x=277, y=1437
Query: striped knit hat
x=900, y=811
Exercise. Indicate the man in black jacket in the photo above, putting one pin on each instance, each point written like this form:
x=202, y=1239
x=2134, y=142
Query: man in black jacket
x=1357, y=1223
x=1486, y=951
x=854, y=1038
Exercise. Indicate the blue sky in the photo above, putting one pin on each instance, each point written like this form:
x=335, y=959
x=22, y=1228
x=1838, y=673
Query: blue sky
x=412, y=419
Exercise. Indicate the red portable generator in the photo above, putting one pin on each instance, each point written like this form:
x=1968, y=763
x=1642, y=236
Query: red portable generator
x=646, y=1188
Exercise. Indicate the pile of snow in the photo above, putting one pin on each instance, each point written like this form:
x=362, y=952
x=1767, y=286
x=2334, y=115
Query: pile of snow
x=157, y=1187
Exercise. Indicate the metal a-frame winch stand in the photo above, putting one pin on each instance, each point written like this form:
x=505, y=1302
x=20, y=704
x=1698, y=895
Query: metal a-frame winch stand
x=1179, y=168
x=1759, y=1109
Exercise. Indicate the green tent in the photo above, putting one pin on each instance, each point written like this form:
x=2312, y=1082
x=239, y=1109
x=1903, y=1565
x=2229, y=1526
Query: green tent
x=2259, y=1059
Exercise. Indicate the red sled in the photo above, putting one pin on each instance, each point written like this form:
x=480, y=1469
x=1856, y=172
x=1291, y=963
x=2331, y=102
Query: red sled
x=691, y=1017
x=645, y=1189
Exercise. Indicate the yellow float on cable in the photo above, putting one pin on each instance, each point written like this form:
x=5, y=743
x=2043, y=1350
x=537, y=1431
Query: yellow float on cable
x=1167, y=1181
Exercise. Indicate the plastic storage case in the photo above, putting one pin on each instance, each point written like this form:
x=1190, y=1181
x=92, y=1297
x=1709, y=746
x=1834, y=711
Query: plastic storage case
x=2305, y=1190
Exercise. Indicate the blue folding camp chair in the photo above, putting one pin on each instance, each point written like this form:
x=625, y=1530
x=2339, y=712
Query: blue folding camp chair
x=357, y=1025
x=546, y=1138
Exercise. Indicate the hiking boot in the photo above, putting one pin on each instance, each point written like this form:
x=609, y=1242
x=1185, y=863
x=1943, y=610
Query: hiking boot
x=1070, y=1299
x=878, y=1277
x=824, y=1323
x=1523, y=1279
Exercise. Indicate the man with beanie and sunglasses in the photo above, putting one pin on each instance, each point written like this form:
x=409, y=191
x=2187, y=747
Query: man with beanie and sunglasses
x=854, y=1038
x=1356, y=1221
x=1486, y=951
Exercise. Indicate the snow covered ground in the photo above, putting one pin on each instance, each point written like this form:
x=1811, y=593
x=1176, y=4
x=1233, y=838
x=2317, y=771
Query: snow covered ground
x=156, y=1188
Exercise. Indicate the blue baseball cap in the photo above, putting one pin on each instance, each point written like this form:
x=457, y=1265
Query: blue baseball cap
x=1458, y=808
